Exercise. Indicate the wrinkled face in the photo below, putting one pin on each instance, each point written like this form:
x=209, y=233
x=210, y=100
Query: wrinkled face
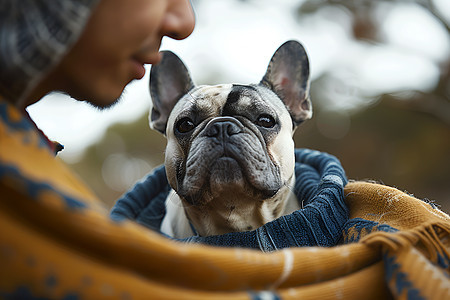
x=120, y=37
x=230, y=152
x=229, y=139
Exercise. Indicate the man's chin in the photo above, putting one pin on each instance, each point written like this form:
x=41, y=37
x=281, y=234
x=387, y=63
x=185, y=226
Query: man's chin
x=102, y=105
x=96, y=102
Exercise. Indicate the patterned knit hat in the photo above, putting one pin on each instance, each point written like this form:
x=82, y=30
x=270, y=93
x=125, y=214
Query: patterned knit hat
x=34, y=36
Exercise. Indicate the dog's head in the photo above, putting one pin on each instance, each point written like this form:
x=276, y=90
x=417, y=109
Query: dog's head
x=230, y=140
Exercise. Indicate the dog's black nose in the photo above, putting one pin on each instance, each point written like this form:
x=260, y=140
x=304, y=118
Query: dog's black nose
x=223, y=127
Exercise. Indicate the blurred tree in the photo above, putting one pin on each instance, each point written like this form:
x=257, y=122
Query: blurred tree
x=366, y=26
x=401, y=138
x=386, y=143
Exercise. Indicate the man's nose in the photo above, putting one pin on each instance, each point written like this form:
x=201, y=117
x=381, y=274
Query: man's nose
x=179, y=21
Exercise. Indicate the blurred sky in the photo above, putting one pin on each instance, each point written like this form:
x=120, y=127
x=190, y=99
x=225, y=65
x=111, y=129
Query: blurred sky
x=234, y=41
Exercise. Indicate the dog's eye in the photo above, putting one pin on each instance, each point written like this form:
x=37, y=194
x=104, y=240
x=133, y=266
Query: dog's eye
x=185, y=125
x=265, y=121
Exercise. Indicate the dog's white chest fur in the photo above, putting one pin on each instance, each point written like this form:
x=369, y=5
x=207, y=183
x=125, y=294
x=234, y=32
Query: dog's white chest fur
x=176, y=224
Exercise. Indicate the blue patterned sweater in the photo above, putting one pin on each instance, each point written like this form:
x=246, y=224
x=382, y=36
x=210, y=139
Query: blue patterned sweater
x=320, y=181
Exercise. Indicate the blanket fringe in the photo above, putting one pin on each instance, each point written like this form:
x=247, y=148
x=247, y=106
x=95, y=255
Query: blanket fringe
x=432, y=239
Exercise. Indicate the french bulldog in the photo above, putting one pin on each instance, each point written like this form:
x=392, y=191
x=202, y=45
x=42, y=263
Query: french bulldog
x=230, y=153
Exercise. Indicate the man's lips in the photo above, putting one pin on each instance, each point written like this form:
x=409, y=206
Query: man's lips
x=138, y=69
x=148, y=57
x=140, y=61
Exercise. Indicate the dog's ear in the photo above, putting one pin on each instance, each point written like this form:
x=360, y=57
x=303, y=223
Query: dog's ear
x=288, y=76
x=169, y=81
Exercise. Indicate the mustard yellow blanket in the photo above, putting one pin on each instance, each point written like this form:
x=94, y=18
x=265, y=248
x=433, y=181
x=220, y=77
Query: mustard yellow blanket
x=58, y=242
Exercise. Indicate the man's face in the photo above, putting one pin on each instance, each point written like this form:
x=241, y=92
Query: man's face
x=120, y=37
